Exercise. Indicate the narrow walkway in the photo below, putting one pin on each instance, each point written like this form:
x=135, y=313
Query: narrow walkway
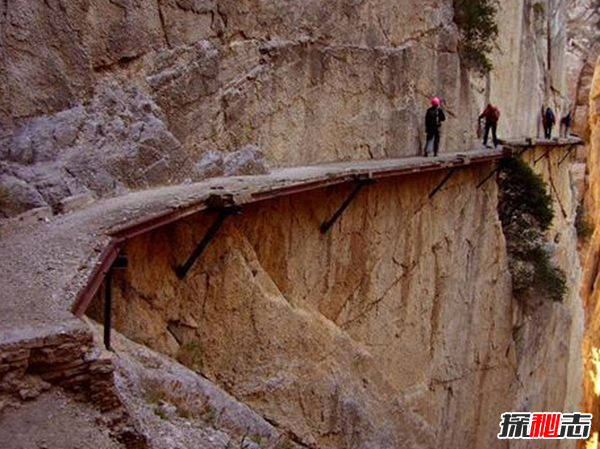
x=51, y=268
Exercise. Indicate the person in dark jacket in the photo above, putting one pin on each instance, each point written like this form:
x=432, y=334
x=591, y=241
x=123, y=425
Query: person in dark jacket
x=433, y=122
x=491, y=114
x=549, y=121
x=565, y=124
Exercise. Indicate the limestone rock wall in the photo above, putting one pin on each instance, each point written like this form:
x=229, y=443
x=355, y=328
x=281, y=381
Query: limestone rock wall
x=589, y=287
x=530, y=65
x=108, y=96
x=548, y=340
x=583, y=49
x=393, y=330
x=397, y=329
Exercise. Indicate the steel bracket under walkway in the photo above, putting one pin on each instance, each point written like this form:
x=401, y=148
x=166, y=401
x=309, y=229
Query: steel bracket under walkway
x=360, y=183
x=443, y=182
x=223, y=206
x=567, y=155
x=543, y=156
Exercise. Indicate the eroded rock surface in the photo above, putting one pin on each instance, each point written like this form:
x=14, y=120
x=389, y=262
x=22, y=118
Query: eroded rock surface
x=371, y=336
x=583, y=50
x=112, y=96
x=589, y=287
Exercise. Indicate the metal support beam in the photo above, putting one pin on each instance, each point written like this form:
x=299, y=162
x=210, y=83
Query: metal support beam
x=325, y=226
x=488, y=177
x=567, y=155
x=543, y=156
x=183, y=270
x=522, y=152
x=441, y=184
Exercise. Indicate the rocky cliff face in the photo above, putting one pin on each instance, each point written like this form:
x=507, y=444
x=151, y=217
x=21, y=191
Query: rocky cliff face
x=115, y=95
x=396, y=329
x=589, y=287
x=380, y=334
x=531, y=64
x=549, y=337
x=105, y=96
x=108, y=96
x=583, y=49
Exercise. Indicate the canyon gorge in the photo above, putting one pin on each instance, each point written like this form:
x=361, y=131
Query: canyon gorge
x=217, y=228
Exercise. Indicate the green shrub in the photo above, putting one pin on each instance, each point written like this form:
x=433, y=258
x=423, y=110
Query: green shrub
x=582, y=224
x=547, y=277
x=525, y=209
x=476, y=20
x=524, y=192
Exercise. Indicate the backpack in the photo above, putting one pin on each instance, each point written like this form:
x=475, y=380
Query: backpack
x=432, y=121
x=494, y=115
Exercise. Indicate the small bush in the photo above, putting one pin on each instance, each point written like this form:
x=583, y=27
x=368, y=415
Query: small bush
x=523, y=276
x=188, y=405
x=582, y=224
x=210, y=414
x=547, y=277
x=476, y=20
x=155, y=393
x=525, y=209
x=524, y=193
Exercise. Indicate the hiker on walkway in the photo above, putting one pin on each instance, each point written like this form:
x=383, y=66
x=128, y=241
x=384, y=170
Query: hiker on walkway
x=491, y=114
x=549, y=120
x=433, y=122
x=565, y=124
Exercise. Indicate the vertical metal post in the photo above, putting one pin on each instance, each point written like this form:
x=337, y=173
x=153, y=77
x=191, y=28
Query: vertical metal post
x=107, y=308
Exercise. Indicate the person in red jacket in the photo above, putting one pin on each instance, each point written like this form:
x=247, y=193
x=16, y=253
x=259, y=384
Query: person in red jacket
x=491, y=114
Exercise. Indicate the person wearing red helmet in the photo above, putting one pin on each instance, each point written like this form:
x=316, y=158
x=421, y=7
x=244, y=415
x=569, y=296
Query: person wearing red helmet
x=433, y=122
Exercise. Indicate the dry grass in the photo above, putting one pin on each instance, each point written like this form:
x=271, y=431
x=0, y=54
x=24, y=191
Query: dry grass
x=188, y=405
